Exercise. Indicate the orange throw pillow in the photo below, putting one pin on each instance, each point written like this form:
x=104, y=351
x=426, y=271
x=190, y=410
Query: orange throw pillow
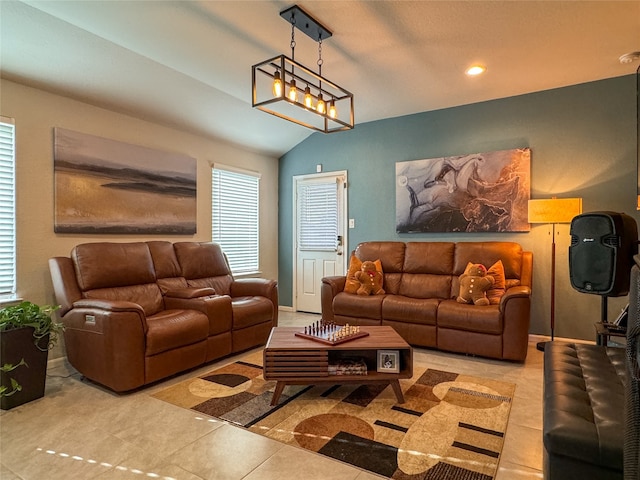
x=495, y=293
x=352, y=285
x=355, y=264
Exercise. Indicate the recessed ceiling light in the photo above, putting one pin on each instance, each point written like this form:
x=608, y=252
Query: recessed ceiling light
x=476, y=70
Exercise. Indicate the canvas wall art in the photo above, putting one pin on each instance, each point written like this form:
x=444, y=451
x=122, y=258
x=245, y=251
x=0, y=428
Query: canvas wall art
x=106, y=186
x=480, y=192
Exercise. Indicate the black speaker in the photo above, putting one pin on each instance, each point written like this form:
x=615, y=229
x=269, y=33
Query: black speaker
x=601, y=253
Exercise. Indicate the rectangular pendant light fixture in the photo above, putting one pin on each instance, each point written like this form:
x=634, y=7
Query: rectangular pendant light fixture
x=289, y=90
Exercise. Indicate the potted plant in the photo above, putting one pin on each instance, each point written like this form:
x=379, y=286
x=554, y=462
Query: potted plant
x=27, y=332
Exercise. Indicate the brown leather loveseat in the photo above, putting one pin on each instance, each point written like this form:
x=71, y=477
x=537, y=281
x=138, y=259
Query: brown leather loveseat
x=421, y=283
x=138, y=312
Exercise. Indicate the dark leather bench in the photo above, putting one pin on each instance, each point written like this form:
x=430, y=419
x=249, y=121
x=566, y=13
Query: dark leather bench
x=584, y=405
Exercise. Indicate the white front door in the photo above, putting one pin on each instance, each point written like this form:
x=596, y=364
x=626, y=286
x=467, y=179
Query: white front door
x=319, y=235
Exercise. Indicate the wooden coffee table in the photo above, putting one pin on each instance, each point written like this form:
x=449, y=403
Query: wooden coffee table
x=293, y=360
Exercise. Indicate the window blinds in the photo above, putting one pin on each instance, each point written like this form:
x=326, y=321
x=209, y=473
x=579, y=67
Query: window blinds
x=235, y=217
x=318, y=220
x=7, y=208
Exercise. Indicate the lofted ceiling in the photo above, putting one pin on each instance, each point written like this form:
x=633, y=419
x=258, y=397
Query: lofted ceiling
x=187, y=64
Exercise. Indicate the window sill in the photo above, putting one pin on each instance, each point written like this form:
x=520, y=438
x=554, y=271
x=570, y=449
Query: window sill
x=6, y=301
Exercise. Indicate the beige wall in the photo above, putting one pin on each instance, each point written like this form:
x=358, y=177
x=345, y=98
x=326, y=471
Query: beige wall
x=37, y=112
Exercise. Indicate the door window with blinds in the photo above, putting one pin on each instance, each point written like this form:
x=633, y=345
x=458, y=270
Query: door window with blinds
x=7, y=208
x=318, y=216
x=235, y=216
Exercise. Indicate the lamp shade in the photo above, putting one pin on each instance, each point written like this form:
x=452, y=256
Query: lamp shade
x=554, y=210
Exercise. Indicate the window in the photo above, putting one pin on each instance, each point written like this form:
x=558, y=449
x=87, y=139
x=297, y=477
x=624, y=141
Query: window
x=7, y=208
x=235, y=219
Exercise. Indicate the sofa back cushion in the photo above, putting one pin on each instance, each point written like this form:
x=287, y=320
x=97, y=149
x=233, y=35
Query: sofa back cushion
x=203, y=264
x=427, y=270
x=117, y=271
x=391, y=254
x=168, y=273
x=488, y=253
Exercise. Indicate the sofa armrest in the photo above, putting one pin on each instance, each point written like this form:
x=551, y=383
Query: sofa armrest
x=248, y=287
x=261, y=287
x=514, y=292
x=65, y=285
x=335, y=283
x=106, y=341
x=111, y=305
x=330, y=287
x=526, y=275
x=107, y=311
x=190, y=292
x=515, y=309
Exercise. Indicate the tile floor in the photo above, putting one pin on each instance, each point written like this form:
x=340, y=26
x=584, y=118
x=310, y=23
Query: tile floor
x=81, y=431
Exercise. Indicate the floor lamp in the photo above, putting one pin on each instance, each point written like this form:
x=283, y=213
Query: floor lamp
x=553, y=210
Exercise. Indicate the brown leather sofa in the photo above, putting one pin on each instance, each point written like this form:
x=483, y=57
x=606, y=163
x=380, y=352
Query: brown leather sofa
x=421, y=283
x=138, y=312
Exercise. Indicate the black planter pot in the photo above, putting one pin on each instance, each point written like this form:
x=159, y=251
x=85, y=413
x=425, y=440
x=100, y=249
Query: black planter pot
x=16, y=345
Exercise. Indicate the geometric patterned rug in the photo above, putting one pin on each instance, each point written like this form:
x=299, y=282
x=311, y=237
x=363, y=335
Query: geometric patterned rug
x=451, y=426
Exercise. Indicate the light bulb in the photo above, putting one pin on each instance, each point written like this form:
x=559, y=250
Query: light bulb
x=277, y=85
x=321, y=108
x=476, y=70
x=293, y=91
x=333, y=113
x=308, y=99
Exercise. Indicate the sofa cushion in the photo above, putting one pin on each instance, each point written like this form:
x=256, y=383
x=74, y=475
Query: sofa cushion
x=511, y=282
x=584, y=401
x=484, y=319
x=422, y=285
x=391, y=255
x=171, y=329
x=106, y=264
x=429, y=257
x=427, y=270
x=164, y=259
x=204, y=265
x=148, y=296
x=488, y=253
x=410, y=310
x=359, y=306
x=118, y=271
x=248, y=311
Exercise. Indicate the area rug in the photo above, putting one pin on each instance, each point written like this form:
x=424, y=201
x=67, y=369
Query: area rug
x=451, y=426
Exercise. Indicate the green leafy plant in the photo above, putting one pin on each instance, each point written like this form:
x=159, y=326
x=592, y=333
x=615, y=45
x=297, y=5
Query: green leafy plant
x=27, y=314
x=15, y=386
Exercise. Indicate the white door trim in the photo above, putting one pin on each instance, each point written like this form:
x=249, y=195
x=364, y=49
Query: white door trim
x=344, y=224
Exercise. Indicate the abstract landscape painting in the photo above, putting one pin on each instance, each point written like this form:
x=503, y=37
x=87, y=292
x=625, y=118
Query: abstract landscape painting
x=480, y=192
x=105, y=186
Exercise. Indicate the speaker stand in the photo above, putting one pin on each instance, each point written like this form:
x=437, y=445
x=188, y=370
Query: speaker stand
x=603, y=309
x=540, y=345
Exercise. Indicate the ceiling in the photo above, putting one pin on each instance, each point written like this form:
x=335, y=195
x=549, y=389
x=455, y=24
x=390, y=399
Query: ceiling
x=187, y=64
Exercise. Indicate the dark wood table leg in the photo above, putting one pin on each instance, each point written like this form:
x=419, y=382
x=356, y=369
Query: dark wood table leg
x=395, y=384
x=278, y=391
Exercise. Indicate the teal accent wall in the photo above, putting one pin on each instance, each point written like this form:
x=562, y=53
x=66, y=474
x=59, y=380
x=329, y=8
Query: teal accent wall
x=583, y=143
